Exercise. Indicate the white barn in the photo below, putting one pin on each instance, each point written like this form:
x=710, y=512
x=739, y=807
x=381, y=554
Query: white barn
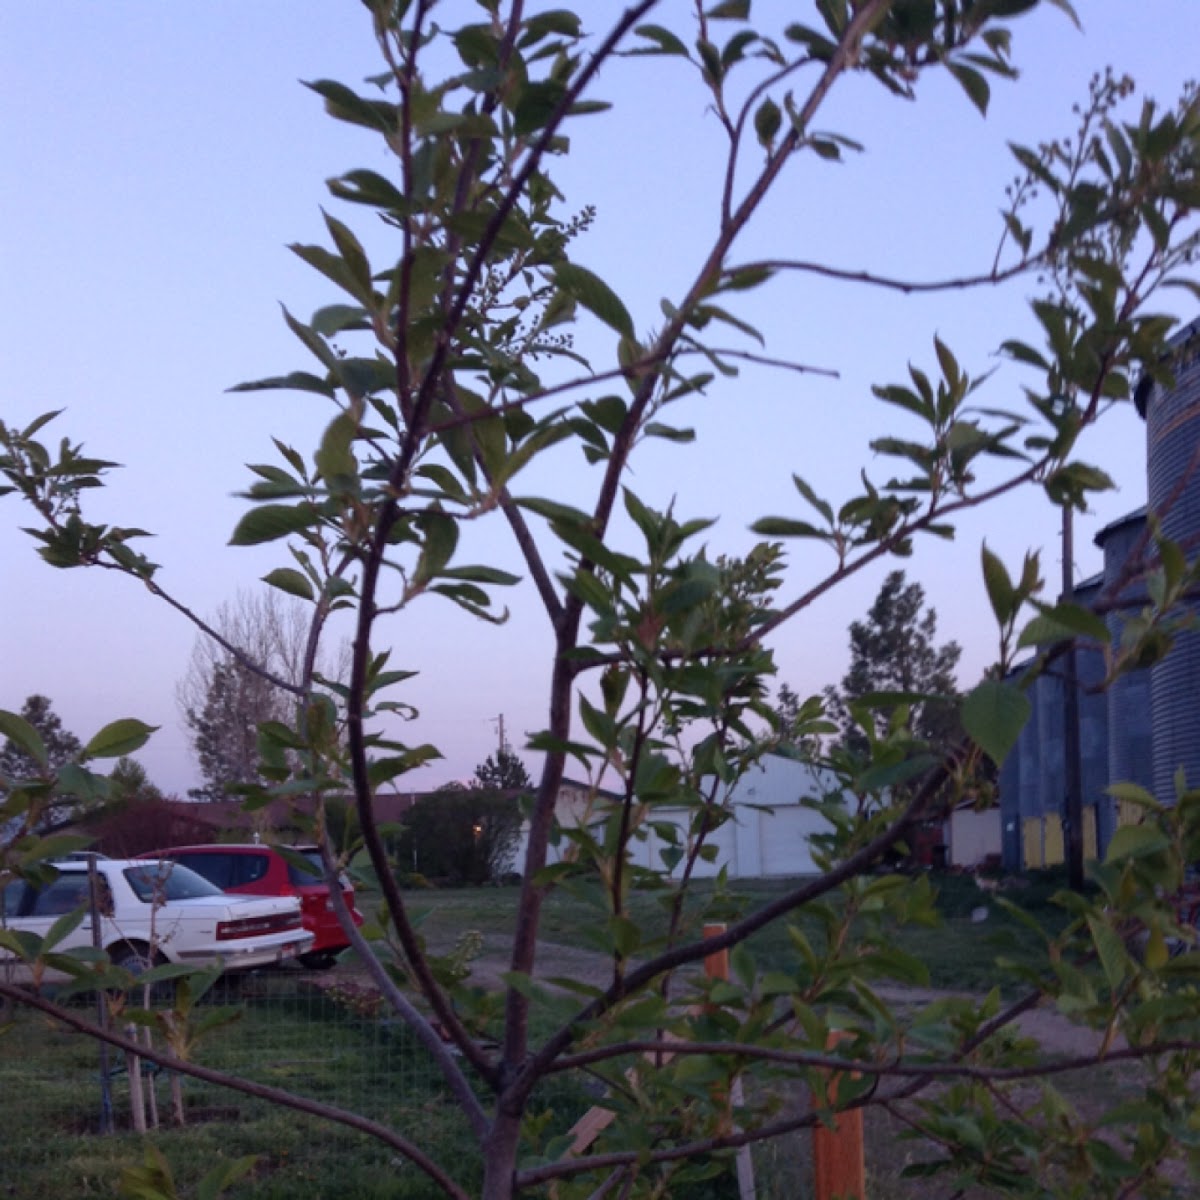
x=768, y=835
x=770, y=830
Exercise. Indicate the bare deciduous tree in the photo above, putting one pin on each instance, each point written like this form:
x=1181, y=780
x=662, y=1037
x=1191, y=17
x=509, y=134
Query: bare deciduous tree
x=224, y=696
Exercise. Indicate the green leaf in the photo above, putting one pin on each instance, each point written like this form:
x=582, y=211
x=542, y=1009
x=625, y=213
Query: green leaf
x=973, y=83
x=767, y=120
x=214, y=1184
x=1136, y=841
x=1000, y=590
x=1135, y=795
x=595, y=295
x=481, y=574
x=296, y=381
x=665, y=42
x=384, y=770
x=729, y=10
x=346, y=105
x=441, y=539
x=335, y=318
x=1062, y=622
x=118, y=738
x=63, y=927
x=741, y=962
x=57, y=845
x=537, y=105
x=289, y=580
x=353, y=255
x=626, y=935
x=19, y=731
x=786, y=527
x=994, y=715
x=269, y=522
x=75, y=780
x=368, y=187
x=1111, y=951
x=669, y=432
x=335, y=458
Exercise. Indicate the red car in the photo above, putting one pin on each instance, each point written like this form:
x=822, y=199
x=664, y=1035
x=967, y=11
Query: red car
x=257, y=870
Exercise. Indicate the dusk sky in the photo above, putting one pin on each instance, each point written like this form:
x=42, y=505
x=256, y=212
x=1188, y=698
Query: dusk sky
x=155, y=160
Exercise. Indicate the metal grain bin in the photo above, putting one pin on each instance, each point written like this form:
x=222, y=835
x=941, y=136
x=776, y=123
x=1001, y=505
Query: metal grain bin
x=1173, y=468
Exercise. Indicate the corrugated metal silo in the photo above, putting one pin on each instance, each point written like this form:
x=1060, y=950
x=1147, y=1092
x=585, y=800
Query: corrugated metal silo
x=1093, y=726
x=1048, y=713
x=1130, y=757
x=1173, y=455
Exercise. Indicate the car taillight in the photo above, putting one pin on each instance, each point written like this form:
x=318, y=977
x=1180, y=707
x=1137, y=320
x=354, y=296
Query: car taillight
x=246, y=927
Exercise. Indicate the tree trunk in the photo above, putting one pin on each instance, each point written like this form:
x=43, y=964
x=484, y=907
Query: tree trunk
x=500, y=1156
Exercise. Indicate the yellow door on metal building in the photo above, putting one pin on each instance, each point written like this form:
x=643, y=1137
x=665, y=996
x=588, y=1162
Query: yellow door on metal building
x=1055, y=853
x=1031, y=843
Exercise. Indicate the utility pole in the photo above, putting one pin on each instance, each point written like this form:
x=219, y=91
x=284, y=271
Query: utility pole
x=503, y=740
x=1073, y=774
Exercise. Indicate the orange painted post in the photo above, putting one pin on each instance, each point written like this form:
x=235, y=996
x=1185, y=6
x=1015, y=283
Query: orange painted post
x=716, y=966
x=839, y=1166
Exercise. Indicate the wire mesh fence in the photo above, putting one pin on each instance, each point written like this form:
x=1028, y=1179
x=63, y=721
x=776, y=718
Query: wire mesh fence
x=319, y=1035
x=326, y=1036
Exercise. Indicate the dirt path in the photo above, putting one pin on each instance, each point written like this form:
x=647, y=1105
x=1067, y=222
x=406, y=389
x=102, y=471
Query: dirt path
x=1057, y=1035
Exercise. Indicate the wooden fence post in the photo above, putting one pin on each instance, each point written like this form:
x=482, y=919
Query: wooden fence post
x=839, y=1167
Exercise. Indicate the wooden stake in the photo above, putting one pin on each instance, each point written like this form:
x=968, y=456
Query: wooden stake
x=839, y=1167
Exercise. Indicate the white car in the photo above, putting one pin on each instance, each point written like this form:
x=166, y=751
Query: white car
x=155, y=912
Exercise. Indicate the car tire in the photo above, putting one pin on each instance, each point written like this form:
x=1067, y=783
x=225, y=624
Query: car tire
x=321, y=960
x=137, y=959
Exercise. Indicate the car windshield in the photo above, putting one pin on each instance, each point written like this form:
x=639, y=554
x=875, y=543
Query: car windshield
x=167, y=881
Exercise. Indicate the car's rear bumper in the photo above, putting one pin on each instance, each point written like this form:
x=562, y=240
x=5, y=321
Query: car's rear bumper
x=262, y=953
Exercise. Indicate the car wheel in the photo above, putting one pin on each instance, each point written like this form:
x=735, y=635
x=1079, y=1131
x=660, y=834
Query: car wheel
x=320, y=960
x=137, y=960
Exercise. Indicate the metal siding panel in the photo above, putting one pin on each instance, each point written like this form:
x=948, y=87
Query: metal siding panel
x=785, y=834
x=1173, y=437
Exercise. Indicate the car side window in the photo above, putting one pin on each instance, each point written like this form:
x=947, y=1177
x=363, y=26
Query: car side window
x=64, y=895
x=247, y=868
x=11, y=897
x=216, y=868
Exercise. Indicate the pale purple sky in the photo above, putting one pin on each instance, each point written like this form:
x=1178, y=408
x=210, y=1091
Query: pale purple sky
x=155, y=160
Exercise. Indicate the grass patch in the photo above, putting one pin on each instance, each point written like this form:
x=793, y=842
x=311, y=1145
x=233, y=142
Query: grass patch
x=960, y=952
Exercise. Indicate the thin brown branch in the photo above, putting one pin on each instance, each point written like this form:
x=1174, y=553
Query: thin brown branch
x=891, y=283
x=240, y=656
x=748, y=1052
x=739, y=126
x=635, y=369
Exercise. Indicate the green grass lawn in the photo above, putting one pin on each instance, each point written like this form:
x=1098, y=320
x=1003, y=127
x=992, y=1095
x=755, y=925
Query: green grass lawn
x=960, y=952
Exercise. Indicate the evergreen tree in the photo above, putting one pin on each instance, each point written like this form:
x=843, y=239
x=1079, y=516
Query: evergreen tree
x=895, y=650
x=61, y=745
x=16, y=765
x=128, y=782
x=502, y=772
